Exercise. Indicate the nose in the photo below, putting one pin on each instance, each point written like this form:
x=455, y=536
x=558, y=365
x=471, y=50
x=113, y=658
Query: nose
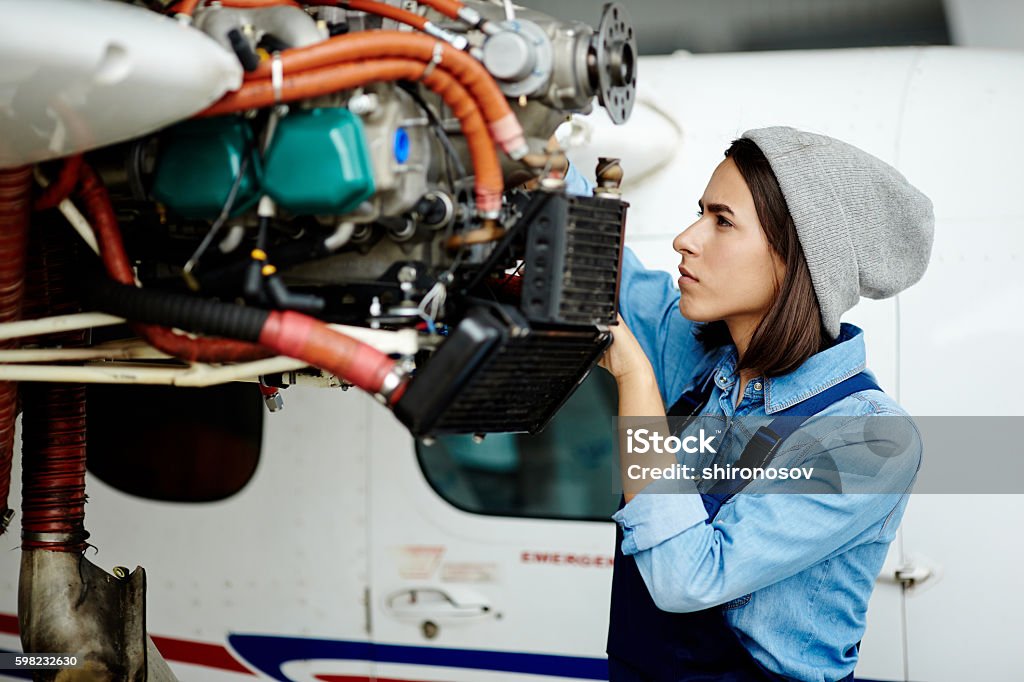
x=686, y=242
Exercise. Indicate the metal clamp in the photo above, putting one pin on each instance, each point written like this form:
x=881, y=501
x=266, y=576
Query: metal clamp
x=435, y=59
x=277, y=76
x=392, y=380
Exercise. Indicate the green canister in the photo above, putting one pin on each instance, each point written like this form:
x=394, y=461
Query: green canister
x=198, y=164
x=318, y=162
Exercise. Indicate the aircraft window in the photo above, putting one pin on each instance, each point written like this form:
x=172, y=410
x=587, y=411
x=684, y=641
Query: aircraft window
x=175, y=444
x=564, y=472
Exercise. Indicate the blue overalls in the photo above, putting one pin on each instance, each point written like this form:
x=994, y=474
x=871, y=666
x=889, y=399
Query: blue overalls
x=646, y=644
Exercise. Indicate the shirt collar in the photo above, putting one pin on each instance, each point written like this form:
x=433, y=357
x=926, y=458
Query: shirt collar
x=845, y=358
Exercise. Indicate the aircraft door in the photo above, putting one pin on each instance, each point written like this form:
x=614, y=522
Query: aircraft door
x=492, y=560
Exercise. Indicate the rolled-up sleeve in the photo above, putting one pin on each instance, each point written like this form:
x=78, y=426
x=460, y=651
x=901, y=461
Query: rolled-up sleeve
x=650, y=519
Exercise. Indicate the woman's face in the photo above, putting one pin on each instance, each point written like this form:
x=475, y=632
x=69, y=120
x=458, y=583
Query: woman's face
x=728, y=270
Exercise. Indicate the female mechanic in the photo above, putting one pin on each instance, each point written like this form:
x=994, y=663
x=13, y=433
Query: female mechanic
x=793, y=228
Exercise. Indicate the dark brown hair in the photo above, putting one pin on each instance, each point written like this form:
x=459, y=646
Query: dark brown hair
x=791, y=331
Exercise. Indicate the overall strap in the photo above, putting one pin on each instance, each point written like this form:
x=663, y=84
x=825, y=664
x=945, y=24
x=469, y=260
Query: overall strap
x=693, y=401
x=766, y=440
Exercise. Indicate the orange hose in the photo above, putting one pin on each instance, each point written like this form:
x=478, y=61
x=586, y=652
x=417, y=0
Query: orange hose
x=503, y=124
x=257, y=3
x=187, y=7
x=449, y=8
x=380, y=9
x=490, y=183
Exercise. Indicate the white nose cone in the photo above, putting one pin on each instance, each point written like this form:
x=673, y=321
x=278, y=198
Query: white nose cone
x=82, y=74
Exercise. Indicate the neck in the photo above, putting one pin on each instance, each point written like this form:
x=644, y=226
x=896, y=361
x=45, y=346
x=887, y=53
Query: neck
x=741, y=331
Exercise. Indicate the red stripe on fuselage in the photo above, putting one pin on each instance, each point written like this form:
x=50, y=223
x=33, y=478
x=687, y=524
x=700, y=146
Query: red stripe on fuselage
x=199, y=653
x=9, y=624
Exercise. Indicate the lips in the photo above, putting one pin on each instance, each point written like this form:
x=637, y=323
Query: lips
x=687, y=275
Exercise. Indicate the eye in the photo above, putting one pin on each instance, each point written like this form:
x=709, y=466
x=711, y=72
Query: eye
x=721, y=222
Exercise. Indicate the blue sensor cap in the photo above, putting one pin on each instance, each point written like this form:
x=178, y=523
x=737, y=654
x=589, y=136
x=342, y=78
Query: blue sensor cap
x=402, y=145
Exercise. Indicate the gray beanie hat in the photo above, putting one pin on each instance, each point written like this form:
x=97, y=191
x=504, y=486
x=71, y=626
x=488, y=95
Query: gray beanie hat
x=865, y=230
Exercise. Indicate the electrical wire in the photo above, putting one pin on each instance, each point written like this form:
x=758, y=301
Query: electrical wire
x=225, y=211
x=439, y=132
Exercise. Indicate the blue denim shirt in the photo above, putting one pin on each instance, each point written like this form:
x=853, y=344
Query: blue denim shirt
x=793, y=572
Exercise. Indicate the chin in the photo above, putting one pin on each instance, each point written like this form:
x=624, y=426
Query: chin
x=693, y=315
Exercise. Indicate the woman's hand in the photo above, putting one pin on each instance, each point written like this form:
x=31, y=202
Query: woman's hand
x=625, y=359
x=638, y=397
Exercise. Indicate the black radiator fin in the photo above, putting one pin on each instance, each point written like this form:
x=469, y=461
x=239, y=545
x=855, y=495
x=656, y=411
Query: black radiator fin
x=492, y=377
x=573, y=256
x=524, y=384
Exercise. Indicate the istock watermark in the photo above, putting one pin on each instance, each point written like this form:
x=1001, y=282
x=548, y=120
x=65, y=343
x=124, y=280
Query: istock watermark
x=765, y=455
x=643, y=441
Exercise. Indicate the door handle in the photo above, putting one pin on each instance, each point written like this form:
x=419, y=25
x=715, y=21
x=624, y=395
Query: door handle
x=913, y=573
x=437, y=605
x=909, y=575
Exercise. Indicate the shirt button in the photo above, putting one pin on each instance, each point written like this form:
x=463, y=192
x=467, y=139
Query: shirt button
x=757, y=386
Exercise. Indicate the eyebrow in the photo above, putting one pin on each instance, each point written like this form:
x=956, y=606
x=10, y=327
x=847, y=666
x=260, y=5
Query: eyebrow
x=715, y=208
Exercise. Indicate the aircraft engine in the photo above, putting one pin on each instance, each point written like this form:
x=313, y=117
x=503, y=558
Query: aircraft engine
x=365, y=187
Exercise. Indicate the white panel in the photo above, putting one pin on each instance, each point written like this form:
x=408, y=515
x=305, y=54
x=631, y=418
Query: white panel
x=961, y=334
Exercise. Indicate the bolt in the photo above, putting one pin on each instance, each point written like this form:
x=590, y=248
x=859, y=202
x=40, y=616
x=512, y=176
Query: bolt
x=274, y=401
x=362, y=105
x=407, y=273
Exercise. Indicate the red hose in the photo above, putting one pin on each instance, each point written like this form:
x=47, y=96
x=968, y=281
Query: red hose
x=104, y=221
x=53, y=414
x=53, y=463
x=61, y=188
x=305, y=338
x=15, y=197
x=488, y=178
x=471, y=74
